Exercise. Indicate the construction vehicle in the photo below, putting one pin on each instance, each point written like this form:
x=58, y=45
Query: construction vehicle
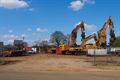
x=82, y=49
x=17, y=49
x=66, y=48
x=75, y=31
x=102, y=34
x=85, y=46
x=100, y=41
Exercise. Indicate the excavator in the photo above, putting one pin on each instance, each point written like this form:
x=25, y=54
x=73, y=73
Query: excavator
x=83, y=45
x=73, y=48
x=100, y=40
x=102, y=34
x=75, y=31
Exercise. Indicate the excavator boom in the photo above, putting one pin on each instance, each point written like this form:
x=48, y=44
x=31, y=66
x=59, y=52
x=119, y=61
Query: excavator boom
x=87, y=39
x=102, y=34
x=74, y=33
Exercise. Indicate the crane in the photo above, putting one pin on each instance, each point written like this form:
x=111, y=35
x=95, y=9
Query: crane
x=74, y=33
x=102, y=34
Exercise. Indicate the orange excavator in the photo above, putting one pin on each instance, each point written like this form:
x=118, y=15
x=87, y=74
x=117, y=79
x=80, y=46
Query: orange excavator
x=75, y=31
x=102, y=34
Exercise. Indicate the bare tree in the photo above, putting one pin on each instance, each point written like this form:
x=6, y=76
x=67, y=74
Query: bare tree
x=57, y=37
x=68, y=36
x=44, y=46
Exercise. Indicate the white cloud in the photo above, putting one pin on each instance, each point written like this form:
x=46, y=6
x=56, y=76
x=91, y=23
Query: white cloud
x=88, y=27
x=24, y=35
x=13, y=4
x=77, y=5
x=9, y=39
x=12, y=36
x=10, y=31
x=41, y=30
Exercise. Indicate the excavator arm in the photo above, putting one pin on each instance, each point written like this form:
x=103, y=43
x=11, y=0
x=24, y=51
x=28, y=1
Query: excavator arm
x=74, y=33
x=112, y=33
x=102, y=34
x=94, y=36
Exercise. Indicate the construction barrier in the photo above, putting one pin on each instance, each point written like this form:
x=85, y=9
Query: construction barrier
x=115, y=49
x=98, y=52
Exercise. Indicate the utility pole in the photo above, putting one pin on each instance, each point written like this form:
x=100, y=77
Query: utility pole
x=94, y=62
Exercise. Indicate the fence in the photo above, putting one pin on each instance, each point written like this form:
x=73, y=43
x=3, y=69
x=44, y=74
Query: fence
x=104, y=56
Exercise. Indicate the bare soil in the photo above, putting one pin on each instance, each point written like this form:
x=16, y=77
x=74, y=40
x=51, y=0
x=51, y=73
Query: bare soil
x=59, y=67
x=59, y=63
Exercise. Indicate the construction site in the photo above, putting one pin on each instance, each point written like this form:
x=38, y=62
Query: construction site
x=79, y=52
x=86, y=57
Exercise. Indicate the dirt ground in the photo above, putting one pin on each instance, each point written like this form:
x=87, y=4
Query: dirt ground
x=52, y=64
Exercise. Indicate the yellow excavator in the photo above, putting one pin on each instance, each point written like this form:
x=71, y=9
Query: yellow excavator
x=102, y=34
x=75, y=31
x=65, y=48
x=73, y=48
x=100, y=41
x=85, y=46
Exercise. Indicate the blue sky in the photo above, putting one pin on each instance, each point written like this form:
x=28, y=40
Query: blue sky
x=37, y=19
